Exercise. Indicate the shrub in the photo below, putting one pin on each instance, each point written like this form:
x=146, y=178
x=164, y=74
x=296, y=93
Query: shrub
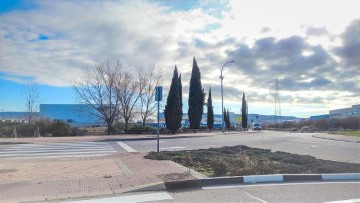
x=60, y=128
x=138, y=129
x=219, y=166
x=352, y=123
x=75, y=131
x=143, y=128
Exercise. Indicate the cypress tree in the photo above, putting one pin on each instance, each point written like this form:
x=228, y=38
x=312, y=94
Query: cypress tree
x=244, y=112
x=225, y=117
x=210, y=112
x=196, y=97
x=228, y=124
x=180, y=96
x=173, y=112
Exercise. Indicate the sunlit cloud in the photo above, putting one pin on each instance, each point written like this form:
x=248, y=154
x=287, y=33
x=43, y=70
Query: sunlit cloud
x=311, y=46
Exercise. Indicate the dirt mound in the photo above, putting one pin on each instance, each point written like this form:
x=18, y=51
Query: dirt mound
x=242, y=160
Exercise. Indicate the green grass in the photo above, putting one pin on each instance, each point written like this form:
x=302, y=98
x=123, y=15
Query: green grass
x=347, y=133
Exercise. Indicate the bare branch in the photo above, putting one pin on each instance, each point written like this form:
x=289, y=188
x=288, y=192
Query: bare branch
x=149, y=78
x=32, y=99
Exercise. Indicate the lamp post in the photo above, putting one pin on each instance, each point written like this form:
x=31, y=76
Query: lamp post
x=222, y=94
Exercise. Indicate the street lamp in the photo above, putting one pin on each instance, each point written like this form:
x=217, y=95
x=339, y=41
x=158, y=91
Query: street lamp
x=222, y=95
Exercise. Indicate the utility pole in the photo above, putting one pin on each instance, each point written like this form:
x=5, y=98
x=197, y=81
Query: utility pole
x=277, y=109
x=222, y=94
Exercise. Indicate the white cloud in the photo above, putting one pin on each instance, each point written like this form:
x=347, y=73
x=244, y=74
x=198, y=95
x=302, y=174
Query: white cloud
x=81, y=32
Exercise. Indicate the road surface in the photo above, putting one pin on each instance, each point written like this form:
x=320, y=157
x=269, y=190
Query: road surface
x=265, y=193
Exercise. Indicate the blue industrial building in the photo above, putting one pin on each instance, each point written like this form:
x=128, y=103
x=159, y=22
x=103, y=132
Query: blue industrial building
x=75, y=114
x=325, y=116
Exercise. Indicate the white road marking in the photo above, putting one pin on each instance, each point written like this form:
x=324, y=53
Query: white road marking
x=126, y=147
x=346, y=201
x=57, y=150
x=254, y=197
x=55, y=153
x=129, y=199
x=42, y=150
x=57, y=156
x=21, y=146
x=272, y=185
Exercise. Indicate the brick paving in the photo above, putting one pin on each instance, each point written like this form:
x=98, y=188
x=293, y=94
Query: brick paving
x=42, y=170
x=34, y=179
x=44, y=179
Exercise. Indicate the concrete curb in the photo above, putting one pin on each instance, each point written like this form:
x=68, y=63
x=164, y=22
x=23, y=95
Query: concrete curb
x=341, y=140
x=243, y=180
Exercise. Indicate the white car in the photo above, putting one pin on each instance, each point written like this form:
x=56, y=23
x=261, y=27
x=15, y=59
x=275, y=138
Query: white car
x=256, y=126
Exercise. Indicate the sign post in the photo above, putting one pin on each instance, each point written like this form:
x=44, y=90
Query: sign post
x=158, y=98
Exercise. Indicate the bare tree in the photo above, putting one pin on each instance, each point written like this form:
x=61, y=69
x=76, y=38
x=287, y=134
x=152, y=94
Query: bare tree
x=32, y=99
x=129, y=92
x=99, y=89
x=149, y=78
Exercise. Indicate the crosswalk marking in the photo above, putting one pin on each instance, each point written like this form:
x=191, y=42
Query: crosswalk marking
x=79, y=149
x=126, y=147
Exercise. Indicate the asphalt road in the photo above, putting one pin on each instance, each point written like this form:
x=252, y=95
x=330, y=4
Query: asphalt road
x=298, y=143
x=345, y=192
x=306, y=192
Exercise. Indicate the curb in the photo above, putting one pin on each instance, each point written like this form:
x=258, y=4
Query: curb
x=326, y=138
x=10, y=143
x=254, y=179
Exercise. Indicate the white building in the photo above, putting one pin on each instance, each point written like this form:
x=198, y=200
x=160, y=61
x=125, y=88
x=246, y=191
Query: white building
x=353, y=111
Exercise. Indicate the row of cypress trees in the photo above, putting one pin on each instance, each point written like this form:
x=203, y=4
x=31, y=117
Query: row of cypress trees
x=173, y=108
x=244, y=114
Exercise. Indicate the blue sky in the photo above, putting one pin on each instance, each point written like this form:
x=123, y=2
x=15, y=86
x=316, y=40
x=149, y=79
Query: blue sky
x=11, y=94
x=311, y=48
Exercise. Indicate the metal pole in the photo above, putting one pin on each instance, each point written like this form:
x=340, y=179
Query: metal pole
x=222, y=102
x=222, y=94
x=158, y=127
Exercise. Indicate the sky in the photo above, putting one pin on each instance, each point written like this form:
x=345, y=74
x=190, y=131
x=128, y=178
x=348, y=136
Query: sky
x=312, y=47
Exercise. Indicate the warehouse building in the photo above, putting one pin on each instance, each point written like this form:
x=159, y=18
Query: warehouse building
x=353, y=111
x=75, y=114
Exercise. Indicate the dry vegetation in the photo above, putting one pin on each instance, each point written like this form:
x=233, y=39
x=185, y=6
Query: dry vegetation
x=243, y=160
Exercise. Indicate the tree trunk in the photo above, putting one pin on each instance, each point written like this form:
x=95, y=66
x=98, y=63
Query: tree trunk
x=126, y=124
x=143, y=124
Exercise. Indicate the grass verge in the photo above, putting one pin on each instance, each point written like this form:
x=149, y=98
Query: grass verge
x=242, y=160
x=347, y=133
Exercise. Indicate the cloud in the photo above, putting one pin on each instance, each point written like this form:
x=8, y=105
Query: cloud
x=70, y=36
x=316, y=31
x=54, y=42
x=350, y=50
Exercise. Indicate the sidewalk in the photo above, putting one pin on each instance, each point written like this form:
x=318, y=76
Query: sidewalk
x=46, y=179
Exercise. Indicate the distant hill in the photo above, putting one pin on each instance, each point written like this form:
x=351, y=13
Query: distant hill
x=270, y=118
x=262, y=118
x=12, y=115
